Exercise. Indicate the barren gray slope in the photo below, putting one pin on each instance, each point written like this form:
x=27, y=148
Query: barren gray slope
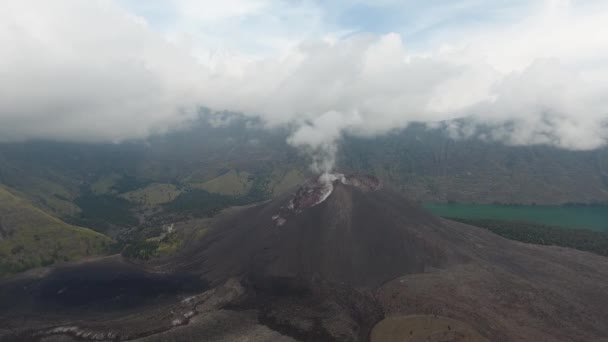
x=354, y=237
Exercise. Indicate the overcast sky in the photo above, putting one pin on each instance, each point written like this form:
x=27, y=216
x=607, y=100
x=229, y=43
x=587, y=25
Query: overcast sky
x=535, y=71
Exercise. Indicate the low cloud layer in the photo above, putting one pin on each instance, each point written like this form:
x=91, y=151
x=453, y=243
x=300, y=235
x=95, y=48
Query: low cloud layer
x=93, y=71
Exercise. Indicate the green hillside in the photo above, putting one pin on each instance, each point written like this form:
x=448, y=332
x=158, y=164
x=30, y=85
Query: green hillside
x=231, y=183
x=31, y=238
x=153, y=194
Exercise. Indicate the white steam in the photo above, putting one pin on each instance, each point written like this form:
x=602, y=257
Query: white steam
x=91, y=71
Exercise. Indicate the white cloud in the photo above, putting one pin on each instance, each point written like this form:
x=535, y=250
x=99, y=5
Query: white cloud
x=547, y=103
x=90, y=70
x=573, y=31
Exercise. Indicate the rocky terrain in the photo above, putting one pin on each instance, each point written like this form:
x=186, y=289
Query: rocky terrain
x=339, y=264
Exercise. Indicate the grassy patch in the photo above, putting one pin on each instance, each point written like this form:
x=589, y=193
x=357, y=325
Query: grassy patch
x=282, y=183
x=31, y=238
x=51, y=197
x=153, y=194
x=104, y=184
x=153, y=248
x=231, y=183
x=202, y=203
x=128, y=183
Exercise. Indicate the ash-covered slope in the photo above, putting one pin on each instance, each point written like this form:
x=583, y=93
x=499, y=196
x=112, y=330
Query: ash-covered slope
x=327, y=263
x=347, y=230
x=363, y=236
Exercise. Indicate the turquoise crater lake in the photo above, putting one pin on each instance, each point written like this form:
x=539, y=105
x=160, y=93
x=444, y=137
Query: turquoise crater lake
x=568, y=216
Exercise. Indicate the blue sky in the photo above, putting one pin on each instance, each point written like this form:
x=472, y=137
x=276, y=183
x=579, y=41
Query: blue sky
x=296, y=20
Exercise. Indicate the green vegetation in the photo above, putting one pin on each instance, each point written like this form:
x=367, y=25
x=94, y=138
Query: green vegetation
x=128, y=183
x=202, y=203
x=231, y=183
x=199, y=203
x=165, y=245
x=537, y=224
x=581, y=239
x=100, y=211
x=52, y=197
x=31, y=238
x=143, y=250
x=568, y=216
x=282, y=183
x=153, y=194
x=104, y=184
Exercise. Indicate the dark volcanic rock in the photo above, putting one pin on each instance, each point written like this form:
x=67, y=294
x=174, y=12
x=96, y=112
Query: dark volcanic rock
x=372, y=238
x=358, y=237
x=346, y=254
x=315, y=311
x=107, y=285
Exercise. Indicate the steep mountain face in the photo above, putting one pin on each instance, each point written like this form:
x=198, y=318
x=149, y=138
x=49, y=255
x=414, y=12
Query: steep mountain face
x=343, y=231
x=372, y=238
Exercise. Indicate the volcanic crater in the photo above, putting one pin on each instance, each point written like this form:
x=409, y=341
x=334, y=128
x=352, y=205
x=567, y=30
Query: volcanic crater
x=329, y=261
